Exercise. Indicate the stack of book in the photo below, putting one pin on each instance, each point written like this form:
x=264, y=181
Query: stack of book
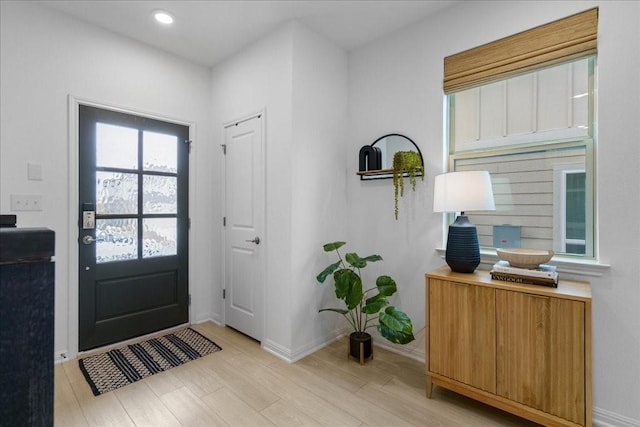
x=544, y=274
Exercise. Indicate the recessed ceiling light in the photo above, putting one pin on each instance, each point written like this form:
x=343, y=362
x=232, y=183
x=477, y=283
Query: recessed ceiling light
x=163, y=17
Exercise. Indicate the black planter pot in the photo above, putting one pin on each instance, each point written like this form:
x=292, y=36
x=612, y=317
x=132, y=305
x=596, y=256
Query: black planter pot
x=360, y=346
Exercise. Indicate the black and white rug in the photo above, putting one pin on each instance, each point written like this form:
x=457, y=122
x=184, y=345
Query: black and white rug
x=116, y=368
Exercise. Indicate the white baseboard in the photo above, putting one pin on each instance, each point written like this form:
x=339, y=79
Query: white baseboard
x=205, y=317
x=277, y=350
x=212, y=320
x=411, y=353
x=604, y=418
x=292, y=356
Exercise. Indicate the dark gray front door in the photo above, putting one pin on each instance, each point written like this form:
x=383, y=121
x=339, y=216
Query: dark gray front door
x=133, y=226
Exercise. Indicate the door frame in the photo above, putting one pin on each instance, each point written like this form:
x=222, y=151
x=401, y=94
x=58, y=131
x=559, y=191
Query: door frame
x=73, y=315
x=265, y=239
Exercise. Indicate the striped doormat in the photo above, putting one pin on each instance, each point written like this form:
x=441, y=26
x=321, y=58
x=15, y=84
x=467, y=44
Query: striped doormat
x=116, y=368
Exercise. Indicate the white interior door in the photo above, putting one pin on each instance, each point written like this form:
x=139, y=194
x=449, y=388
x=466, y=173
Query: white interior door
x=244, y=226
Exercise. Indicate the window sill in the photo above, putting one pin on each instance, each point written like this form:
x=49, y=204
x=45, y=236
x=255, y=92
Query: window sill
x=564, y=264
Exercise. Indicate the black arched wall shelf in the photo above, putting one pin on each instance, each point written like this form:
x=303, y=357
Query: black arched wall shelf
x=376, y=160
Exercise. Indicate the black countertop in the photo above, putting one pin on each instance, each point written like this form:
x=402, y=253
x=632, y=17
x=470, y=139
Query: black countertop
x=18, y=245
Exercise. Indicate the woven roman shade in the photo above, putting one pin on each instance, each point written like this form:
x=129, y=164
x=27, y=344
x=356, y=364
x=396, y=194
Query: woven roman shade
x=569, y=38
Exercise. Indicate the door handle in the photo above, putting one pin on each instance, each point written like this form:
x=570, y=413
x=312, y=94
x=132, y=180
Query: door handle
x=255, y=240
x=87, y=240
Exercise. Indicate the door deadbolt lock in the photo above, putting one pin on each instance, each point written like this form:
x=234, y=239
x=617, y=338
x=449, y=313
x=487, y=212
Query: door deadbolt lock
x=255, y=240
x=88, y=220
x=88, y=216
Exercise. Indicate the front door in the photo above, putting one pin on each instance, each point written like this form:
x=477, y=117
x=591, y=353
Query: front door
x=244, y=229
x=133, y=226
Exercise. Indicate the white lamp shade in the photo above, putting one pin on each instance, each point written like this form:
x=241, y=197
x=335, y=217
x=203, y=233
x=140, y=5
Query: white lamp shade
x=463, y=191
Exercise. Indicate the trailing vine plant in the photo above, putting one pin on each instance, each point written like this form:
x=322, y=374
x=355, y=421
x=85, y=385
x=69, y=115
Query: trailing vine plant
x=405, y=161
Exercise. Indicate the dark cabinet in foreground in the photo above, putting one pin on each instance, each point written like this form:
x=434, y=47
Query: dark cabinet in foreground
x=26, y=326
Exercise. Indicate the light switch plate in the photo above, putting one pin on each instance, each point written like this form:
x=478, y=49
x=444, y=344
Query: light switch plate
x=26, y=202
x=34, y=171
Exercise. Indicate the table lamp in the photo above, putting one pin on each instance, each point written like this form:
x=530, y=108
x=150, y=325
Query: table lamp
x=463, y=192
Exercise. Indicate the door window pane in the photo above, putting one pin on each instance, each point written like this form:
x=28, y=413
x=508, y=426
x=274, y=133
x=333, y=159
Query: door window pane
x=160, y=152
x=116, y=193
x=160, y=194
x=117, y=239
x=116, y=146
x=159, y=237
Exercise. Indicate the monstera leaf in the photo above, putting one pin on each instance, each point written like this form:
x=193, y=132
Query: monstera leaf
x=330, y=247
x=395, y=326
x=348, y=287
x=357, y=262
x=386, y=286
x=327, y=271
x=375, y=304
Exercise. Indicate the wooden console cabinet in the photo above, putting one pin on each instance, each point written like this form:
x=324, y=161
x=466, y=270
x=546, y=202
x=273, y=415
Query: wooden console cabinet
x=525, y=349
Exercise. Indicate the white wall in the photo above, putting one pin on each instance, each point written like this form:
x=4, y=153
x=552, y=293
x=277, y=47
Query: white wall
x=45, y=57
x=299, y=79
x=256, y=79
x=319, y=179
x=395, y=85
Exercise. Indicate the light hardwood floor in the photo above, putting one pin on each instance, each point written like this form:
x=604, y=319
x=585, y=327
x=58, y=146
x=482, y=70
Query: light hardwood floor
x=243, y=385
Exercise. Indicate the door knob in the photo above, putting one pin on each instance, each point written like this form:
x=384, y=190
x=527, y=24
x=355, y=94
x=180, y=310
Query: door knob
x=87, y=240
x=255, y=240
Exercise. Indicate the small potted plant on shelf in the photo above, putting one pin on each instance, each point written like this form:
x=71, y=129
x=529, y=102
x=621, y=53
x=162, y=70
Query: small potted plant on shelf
x=409, y=162
x=363, y=306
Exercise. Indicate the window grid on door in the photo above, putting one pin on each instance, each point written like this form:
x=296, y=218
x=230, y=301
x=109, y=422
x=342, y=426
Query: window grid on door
x=136, y=193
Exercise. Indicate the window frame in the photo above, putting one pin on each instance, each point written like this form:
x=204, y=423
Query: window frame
x=520, y=145
x=560, y=207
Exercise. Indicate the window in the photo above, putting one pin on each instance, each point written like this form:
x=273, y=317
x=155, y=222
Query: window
x=534, y=134
x=572, y=213
x=523, y=108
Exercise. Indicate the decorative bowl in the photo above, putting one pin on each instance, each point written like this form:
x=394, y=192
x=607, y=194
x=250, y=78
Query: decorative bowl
x=524, y=258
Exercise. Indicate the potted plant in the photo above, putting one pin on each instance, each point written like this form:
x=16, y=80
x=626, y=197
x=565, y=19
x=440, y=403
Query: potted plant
x=363, y=306
x=409, y=162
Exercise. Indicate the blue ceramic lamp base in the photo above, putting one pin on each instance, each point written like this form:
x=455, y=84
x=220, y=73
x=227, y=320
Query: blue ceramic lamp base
x=463, y=250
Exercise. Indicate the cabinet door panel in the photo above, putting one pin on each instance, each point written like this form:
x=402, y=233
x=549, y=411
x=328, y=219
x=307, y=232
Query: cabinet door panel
x=567, y=369
x=540, y=353
x=462, y=333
